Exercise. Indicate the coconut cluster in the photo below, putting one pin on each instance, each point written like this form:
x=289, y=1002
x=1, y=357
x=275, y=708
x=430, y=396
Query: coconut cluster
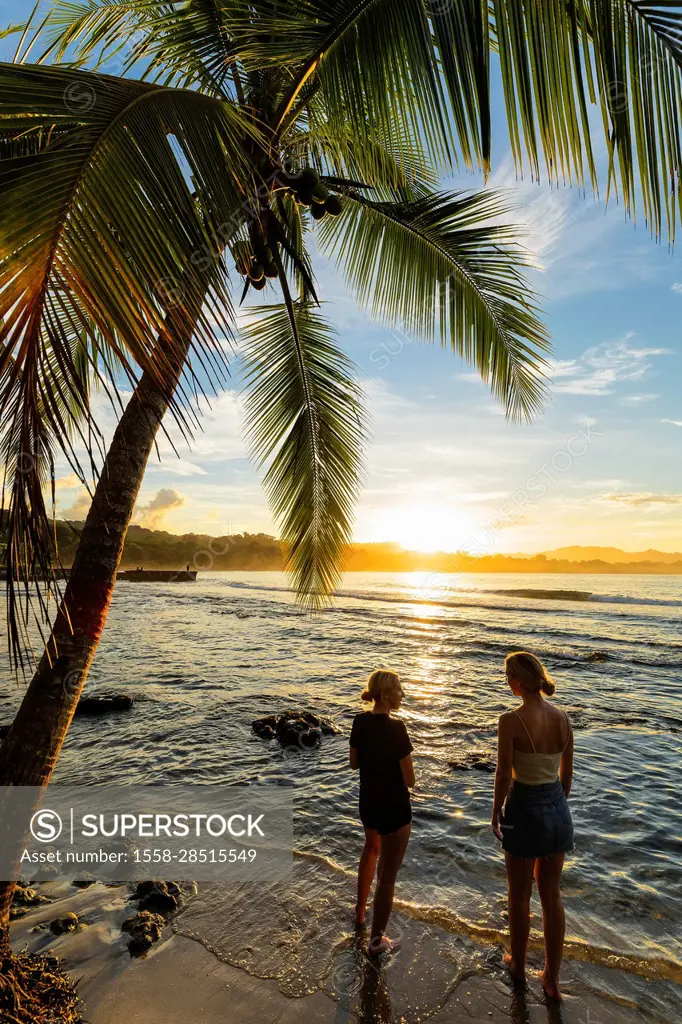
x=308, y=190
x=254, y=258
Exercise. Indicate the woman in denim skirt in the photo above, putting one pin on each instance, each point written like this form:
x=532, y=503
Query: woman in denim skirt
x=531, y=817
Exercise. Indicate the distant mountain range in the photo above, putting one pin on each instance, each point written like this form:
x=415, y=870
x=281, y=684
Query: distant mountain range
x=584, y=554
x=158, y=549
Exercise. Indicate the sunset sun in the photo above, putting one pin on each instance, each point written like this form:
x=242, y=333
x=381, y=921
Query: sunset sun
x=423, y=527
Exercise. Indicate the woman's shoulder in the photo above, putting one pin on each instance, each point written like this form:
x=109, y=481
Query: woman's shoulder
x=397, y=725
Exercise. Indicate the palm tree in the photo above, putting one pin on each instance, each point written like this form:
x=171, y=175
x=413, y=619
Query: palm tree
x=247, y=124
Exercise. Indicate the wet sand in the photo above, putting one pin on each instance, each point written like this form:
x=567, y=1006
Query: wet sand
x=181, y=980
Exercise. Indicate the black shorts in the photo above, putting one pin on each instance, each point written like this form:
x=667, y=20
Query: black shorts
x=536, y=821
x=385, y=819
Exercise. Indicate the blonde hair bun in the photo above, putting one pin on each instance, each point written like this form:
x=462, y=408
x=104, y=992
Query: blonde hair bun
x=379, y=682
x=530, y=672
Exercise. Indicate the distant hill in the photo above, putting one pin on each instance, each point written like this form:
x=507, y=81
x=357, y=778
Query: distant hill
x=158, y=549
x=391, y=558
x=584, y=554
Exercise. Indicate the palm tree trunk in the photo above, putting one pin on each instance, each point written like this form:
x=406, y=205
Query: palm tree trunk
x=29, y=753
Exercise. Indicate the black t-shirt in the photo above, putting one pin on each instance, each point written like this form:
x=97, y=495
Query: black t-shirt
x=381, y=742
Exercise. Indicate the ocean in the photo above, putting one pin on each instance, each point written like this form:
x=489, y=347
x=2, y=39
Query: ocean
x=204, y=660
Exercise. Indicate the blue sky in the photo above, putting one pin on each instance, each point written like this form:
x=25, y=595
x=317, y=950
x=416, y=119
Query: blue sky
x=444, y=468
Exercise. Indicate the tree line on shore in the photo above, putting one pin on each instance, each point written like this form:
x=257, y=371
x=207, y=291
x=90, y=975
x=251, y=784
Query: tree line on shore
x=159, y=549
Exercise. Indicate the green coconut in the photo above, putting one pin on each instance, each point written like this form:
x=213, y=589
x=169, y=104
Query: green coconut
x=318, y=210
x=307, y=180
x=270, y=270
x=321, y=193
x=334, y=206
x=260, y=284
x=263, y=251
x=256, y=271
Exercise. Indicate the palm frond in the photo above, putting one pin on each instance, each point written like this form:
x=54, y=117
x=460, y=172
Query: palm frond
x=439, y=268
x=94, y=31
x=374, y=60
x=184, y=45
x=422, y=69
x=305, y=419
x=344, y=151
x=101, y=239
x=625, y=58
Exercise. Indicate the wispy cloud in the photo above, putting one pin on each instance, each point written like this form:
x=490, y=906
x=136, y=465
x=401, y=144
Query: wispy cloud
x=178, y=467
x=542, y=214
x=637, y=399
x=600, y=368
x=639, y=498
x=675, y=423
x=677, y=287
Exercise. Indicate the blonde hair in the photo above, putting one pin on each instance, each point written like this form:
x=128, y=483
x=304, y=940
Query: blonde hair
x=379, y=683
x=530, y=672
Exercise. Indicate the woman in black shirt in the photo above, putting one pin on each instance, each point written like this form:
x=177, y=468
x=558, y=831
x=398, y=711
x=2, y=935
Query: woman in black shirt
x=381, y=749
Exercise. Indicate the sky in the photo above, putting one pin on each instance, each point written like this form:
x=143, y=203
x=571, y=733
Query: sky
x=445, y=470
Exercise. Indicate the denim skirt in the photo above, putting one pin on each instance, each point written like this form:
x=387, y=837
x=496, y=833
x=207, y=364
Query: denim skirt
x=536, y=820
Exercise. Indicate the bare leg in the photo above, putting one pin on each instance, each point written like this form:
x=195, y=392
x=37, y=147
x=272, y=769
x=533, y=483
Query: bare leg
x=519, y=888
x=391, y=857
x=548, y=878
x=368, y=864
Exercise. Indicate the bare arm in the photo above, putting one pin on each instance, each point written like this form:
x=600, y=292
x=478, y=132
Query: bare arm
x=407, y=768
x=566, y=766
x=354, y=760
x=503, y=773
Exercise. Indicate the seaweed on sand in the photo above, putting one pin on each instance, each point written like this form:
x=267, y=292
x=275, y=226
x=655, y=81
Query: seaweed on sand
x=35, y=990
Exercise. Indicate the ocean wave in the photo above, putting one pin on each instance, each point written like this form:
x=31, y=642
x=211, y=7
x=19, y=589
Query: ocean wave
x=654, y=968
x=525, y=593
x=626, y=599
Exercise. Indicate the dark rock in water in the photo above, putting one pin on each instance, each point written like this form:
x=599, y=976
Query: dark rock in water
x=300, y=729
x=61, y=925
x=144, y=929
x=158, y=897
x=144, y=888
x=297, y=732
x=265, y=727
x=474, y=761
x=83, y=883
x=159, y=903
x=103, y=703
x=4, y=729
x=596, y=656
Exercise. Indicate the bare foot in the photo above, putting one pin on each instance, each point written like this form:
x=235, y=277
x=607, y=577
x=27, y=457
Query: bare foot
x=381, y=944
x=517, y=975
x=359, y=916
x=550, y=985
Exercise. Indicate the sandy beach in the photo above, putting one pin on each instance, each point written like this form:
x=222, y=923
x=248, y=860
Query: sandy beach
x=181, y=980
x=286, y=950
